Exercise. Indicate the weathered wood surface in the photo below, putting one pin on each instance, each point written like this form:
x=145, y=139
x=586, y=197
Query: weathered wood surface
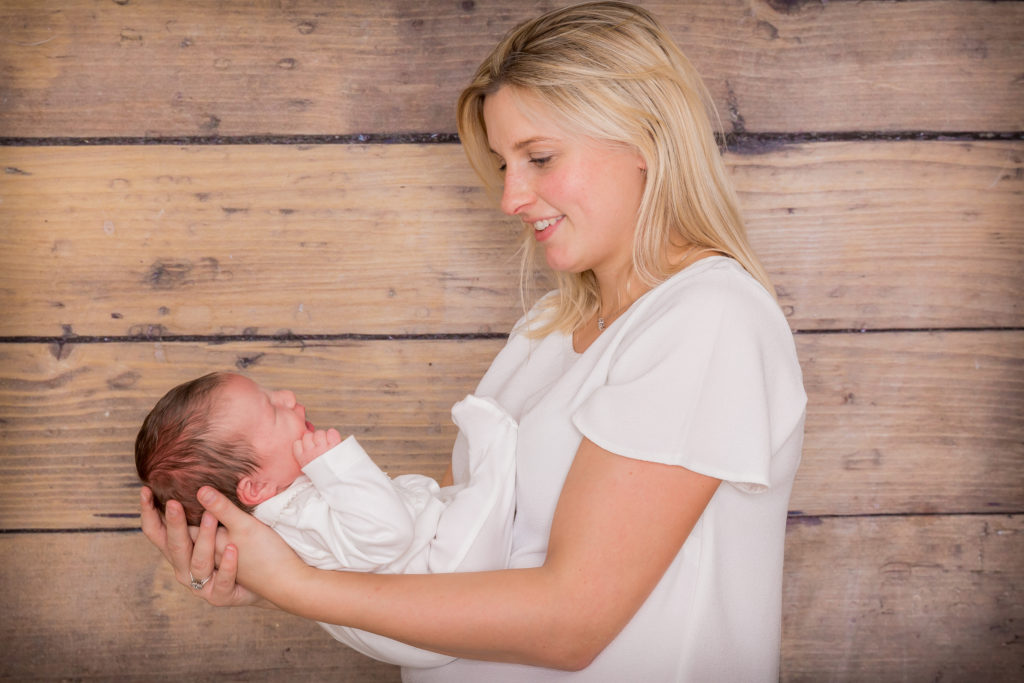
x=106, y=607
x=944, y=590
x=396, y=239
x=121, y=68
x=910, y=423
x=912, y=599
x=898, y=565
x=224, y=240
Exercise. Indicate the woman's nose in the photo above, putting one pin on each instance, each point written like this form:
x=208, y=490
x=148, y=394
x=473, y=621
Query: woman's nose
x=516, y=195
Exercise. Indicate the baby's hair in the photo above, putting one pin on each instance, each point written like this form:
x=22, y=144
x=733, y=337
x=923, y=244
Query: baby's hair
x=180, y=448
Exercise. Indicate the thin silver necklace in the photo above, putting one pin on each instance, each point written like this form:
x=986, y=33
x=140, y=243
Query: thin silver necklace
x=601, y=324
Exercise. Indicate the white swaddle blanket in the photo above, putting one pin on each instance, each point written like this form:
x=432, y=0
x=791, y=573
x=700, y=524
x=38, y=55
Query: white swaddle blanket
x=344, y=513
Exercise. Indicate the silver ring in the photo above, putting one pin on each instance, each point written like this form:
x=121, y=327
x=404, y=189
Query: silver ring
x=198, y=583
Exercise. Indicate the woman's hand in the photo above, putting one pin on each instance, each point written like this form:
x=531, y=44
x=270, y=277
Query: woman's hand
x=249, y=552
x=173, y=537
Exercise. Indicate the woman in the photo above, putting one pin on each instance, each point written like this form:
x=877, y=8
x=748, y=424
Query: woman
x=657, y=391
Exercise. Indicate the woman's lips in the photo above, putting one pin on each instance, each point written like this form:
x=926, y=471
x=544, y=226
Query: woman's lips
x=543, y=229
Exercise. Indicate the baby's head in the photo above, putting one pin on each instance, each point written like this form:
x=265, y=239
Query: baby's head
x=221, y=430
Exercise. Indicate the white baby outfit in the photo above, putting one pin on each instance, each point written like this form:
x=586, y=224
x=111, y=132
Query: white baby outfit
x=344, y=513
x=700, y=372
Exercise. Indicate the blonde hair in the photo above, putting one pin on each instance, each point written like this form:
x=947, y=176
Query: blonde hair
x=609, y=71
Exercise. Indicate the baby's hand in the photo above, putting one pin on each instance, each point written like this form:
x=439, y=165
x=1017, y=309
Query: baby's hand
x=314, y=444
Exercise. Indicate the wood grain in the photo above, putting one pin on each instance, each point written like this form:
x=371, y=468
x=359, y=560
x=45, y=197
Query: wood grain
x=106, y=607
x=93, y=68
x=941, y=590
x=912, y=423
x=897, y=423
x=902, y=560
x=904, y=599
x=401, y=239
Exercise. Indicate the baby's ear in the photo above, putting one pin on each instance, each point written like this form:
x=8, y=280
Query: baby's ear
x=252, y=491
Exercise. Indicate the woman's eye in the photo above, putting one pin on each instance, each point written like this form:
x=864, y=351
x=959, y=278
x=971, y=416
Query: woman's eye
x=540, y=161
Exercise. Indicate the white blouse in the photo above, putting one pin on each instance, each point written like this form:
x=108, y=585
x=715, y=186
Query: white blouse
x=700, y=372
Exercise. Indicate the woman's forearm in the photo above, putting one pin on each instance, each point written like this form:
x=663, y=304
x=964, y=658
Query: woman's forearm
x=522, y=615
x=528, y=616
x=618, y=525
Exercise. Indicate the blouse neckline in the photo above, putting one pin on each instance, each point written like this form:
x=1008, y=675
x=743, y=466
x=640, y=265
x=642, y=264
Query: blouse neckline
x=689, y=271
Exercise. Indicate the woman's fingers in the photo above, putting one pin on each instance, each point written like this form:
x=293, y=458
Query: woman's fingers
x=192, y=551
x=224, y=589
x=249, y=551
x=171, y=534
x=201, y=564
x=223, y=509
x=152, y=521
x=179, y=544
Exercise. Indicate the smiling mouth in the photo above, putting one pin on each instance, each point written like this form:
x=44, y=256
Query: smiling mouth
x=547, y=222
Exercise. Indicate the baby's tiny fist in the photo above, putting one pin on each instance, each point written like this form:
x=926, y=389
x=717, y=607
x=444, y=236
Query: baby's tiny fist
x=314, y=444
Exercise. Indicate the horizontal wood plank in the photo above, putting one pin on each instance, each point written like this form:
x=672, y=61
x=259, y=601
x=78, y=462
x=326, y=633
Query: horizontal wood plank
x=904, y=599
x=251, y=239
x=319, y=67
x=401, y=239
x=106, y=607
x=886, y=431
x=912, y=423
x=881, y=599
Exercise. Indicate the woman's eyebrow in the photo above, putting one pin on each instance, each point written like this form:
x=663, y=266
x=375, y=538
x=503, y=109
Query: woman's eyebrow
x=529, y=141
x=525, y=143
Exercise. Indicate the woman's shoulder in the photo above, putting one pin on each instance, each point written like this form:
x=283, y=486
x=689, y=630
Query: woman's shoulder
x=717, y=285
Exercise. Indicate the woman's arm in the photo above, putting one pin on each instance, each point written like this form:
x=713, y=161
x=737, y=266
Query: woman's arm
x=618, y=525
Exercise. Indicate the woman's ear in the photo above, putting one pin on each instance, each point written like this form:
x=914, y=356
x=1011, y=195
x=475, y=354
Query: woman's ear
x=641, y=163
x=251, y=491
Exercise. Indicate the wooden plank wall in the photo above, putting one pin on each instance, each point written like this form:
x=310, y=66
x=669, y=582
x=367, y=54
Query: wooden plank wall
x=277, y=188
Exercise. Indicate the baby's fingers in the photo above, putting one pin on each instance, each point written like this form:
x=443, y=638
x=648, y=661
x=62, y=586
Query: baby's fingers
x=303, y=444
x=324, y=440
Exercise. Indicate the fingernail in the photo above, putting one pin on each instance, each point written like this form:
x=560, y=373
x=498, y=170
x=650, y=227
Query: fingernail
x=206, y=495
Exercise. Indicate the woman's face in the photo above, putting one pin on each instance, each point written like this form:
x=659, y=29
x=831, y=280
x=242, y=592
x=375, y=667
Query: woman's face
x=580, y=196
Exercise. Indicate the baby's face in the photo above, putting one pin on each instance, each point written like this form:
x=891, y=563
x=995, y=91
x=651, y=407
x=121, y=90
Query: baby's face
x=272, y=421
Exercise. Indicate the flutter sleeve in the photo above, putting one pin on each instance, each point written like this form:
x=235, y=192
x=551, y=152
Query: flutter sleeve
x=706, y=377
